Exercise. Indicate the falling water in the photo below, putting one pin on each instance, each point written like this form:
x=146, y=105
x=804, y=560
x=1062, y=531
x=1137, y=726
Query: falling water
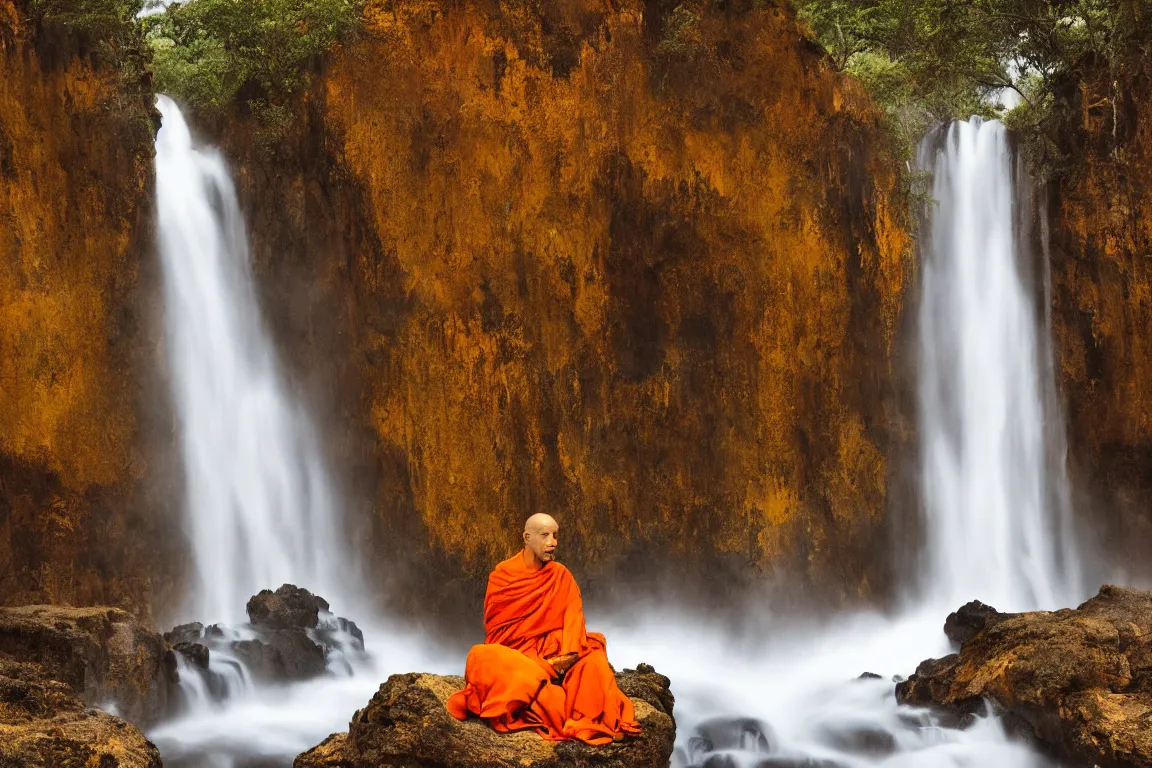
x=259, y=511
x=997, y=527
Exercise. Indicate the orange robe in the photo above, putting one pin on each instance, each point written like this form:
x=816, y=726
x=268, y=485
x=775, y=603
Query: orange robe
x=529, y=617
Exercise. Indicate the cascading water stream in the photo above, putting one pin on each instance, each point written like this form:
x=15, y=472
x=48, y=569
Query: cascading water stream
x=260, y=512
x=994, y=532
x=259, y=508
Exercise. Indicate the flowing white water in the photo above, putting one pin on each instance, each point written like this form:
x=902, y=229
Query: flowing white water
x=997, y=529
x=259, y=509
x=988, y=520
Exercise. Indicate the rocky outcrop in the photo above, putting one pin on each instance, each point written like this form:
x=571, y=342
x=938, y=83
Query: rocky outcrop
x=642, y=269
x=104, y=655
x=44, y=724
x=291, y=636
x=1079, y=681
x=406, y=725
x=289, y=607
x=85, y=512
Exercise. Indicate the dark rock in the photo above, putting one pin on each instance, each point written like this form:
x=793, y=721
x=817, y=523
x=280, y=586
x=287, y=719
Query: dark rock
x=333, y=631
x=1079, y=680
x=646, y=684
x=195, y=653
x=184, y=633
x=289, y=607
x=970, y=620
x=44, y=724
x=734, y=733
x=406, y=725
x=281, y=656
x=104, y=655
x=720, y=760
x=861, y=740
x=869, y=676
x=783, y=761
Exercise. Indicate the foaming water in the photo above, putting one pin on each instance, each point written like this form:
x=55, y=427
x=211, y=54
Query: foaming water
x=803, y=684
x=259, y=508
x=987, y=498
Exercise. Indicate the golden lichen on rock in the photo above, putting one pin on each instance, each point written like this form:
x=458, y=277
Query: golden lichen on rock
x=579, y=277
x=75, y=151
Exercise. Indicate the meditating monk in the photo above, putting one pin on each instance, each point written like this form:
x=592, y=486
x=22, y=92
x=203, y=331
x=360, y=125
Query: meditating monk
x=539, y=668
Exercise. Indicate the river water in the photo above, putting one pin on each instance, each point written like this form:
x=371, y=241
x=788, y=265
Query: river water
x=261, y=512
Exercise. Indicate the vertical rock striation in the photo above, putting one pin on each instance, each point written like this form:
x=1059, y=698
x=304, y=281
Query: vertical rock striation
x=642, y=269
x=75, y=170
x=1102, y=301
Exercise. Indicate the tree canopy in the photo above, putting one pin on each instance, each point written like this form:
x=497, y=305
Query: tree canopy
x=928, y=60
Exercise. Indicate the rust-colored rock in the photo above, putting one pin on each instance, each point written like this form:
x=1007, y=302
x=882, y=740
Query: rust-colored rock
x=1081, y=680
x=43, y=724
x=105, y=656
x=78, y=326
x=1101, y=308
x=581, y=258
x=406, y=725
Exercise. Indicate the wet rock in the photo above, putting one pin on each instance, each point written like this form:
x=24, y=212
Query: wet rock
x=970, y=620
x=281, y=656
x=107, y=657
x=862, y=740
x=44, y=724
x=406, y=725
x=196, y=654
x=184, y=633
x=289, y=607
x=721, y=760
x=783, y=761
x=740, y=733
x=1079, y=680
x=333, y=631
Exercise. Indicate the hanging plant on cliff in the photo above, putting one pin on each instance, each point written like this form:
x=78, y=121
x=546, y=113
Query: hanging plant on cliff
x=928, y=60
x=208, y=53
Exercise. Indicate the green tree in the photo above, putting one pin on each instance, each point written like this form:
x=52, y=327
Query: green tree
x=206, y=52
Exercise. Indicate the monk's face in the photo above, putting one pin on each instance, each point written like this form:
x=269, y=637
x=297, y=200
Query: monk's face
x=540, y=537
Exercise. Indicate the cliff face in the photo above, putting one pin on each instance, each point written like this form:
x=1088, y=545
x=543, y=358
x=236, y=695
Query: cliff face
x=640, y=269
x=1102, y=306
x=75, y=178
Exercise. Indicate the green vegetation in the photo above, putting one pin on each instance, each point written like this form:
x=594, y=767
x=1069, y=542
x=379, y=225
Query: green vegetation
x=206, y=53
x=929, y=60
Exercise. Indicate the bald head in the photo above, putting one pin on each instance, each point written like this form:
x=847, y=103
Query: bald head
x=540, y=539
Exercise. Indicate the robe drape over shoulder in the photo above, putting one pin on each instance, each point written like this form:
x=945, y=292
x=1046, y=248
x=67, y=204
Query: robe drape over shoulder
x=531, y=616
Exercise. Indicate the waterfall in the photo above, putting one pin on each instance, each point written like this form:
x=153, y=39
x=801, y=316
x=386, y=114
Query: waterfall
x=997, y=522
x=259, y=508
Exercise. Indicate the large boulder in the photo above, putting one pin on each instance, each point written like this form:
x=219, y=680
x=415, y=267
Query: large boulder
x=1079, y=681
x=406, y=725
x=105, y=655
x=44, y=724
x=289, y=607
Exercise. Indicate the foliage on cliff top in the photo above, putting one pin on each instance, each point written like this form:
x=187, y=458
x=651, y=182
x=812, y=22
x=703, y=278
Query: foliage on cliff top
x=930, y=60
x=106, y=31
x=207, y=52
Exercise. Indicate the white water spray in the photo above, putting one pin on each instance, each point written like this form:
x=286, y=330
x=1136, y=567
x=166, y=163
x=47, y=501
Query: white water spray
x=259, y=509
x=997, y=527
x=988, y=525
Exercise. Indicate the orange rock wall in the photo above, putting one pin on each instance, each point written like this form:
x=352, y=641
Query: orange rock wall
x=75, y=178
x=642, y=270
x=1102, y=310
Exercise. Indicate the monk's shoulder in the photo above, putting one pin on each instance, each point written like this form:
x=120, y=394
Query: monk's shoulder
x=506, y=568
